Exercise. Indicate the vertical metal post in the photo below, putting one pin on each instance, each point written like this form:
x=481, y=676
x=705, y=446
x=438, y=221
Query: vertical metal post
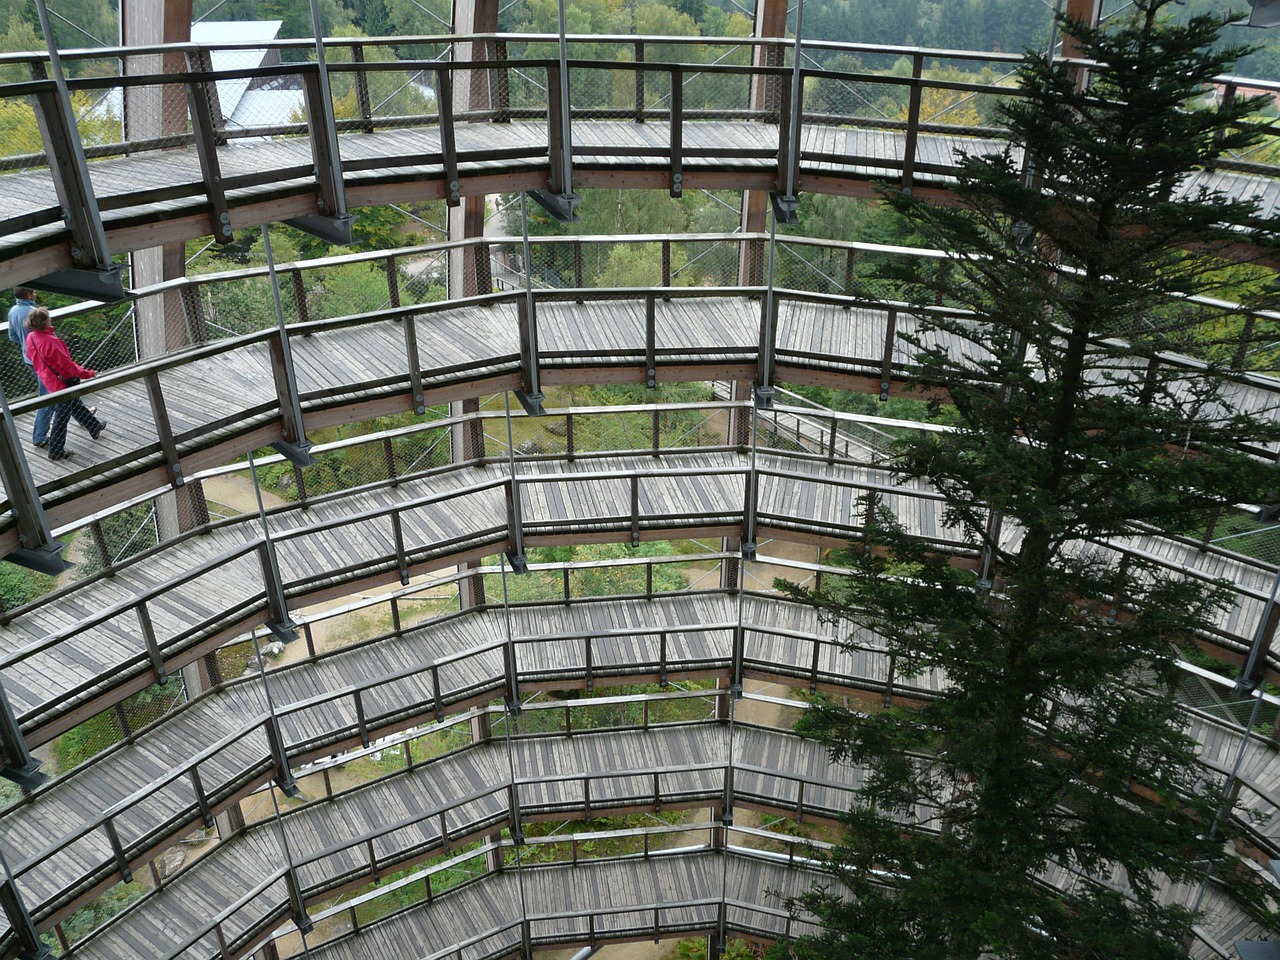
x=280, y=623
x=530, y=393
x=30, y=946
x=331, y=221
x=560, y=200
x=768, y=322
x=786, y=203
x=515, y=519
x=19, y=765
x=566, y=122
x=295, y=446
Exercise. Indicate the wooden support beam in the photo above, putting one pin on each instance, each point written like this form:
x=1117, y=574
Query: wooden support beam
x=91, y=274
x=205, y=129
x=37, y=549
x=164, y=430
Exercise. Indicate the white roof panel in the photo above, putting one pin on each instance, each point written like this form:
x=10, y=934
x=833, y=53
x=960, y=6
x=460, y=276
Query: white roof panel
x=213, y=32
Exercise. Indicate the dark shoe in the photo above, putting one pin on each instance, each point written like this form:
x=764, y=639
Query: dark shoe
x=64, y=455
x=102, y=425
x=41, y=443
x=93, y=411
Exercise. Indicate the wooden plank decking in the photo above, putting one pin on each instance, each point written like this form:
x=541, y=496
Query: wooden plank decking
x=57, y=853
x=60, y=852
x=221, y=402
x=389, y=823
x=399, y=819
x=476, y=914
x=143, y=192
x=68, y=654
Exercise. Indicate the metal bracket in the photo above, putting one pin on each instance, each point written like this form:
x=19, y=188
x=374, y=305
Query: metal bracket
x=561, y=207
x=19, y=766
x=532, y=402
x=785, y=209
x=335, y=229
x=285, y=632
x=300, y=918
x=764, y=398
x=91, y=283
x=46, y=558
x=519, y=562
x=299, y=453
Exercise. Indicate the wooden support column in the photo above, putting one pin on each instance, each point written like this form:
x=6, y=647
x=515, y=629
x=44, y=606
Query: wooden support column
x=475, y=94
x=466, y=444
x=771, y=23
x=162, y=322
x=1080, y=11
x=469, y=273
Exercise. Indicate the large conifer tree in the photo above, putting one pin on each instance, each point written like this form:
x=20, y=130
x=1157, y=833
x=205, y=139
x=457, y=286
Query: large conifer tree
x=1055, y=759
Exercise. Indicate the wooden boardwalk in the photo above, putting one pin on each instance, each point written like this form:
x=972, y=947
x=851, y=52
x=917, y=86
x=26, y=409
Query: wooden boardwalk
x=144, y=787
x=146, y=196
x=567, y=904
x=383, y=826
x=58, y=841
x=220, y=400
x=70, y=656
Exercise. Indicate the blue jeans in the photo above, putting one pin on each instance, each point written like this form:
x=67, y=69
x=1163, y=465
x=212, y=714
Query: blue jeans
x=41, y=432
x=62, y=414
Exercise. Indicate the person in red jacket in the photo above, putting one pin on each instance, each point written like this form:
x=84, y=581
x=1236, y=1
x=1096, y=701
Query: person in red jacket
x=52, y=362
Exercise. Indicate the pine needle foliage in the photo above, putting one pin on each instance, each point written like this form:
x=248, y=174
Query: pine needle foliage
x=1045, y=802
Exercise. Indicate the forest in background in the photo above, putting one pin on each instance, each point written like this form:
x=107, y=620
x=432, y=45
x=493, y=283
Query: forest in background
x=997, y=25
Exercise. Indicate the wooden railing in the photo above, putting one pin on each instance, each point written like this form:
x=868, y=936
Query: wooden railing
x=502, y=518
x=465, y=817
x=676, y=80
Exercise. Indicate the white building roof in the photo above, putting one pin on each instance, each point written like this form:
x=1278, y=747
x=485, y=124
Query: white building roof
x=212, y=32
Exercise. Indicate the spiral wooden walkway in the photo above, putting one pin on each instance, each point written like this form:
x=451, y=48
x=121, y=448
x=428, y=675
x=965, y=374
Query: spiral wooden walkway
x=63, y=661
x=205, y=406
x=73, y=836
x=147, y=198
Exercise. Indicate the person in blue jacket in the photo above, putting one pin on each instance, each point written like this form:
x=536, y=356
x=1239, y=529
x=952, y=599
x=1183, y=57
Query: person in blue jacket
x=24, y=303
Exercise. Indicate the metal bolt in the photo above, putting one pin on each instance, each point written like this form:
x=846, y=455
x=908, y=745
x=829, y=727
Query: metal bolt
x=75, y=253
x=226, y=231
x=224, y=218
